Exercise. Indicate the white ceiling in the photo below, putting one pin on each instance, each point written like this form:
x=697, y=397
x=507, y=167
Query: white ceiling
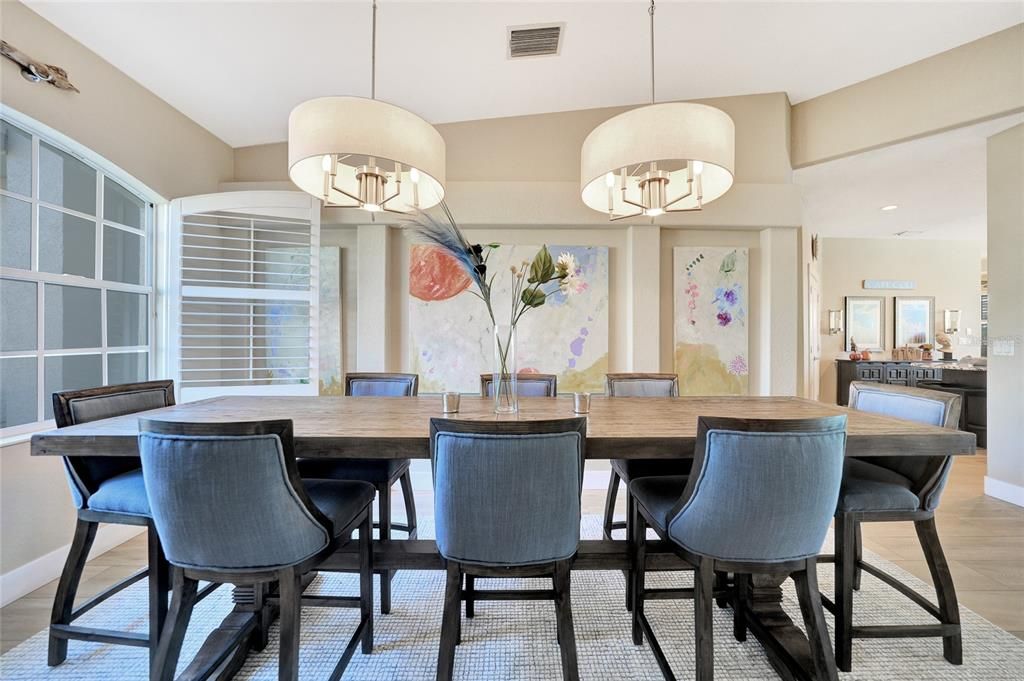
x=937, y=182
x=238, y=68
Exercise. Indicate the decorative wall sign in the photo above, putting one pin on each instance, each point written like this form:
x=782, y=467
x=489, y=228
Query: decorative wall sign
x=865, y=322
x=451, y=341
x=711, y=320
x=914, y=319
x=895, y=284
x=329, y=342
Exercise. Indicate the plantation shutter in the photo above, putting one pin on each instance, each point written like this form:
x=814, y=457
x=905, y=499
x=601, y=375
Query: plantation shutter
x=243, y=294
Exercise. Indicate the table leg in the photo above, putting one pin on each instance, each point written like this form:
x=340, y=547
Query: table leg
x=787, y=648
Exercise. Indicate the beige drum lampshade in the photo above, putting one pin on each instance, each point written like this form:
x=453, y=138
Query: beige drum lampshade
x=372, y=148
x=686, y=141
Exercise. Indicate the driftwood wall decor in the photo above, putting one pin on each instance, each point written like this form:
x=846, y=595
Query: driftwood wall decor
x=36, y=71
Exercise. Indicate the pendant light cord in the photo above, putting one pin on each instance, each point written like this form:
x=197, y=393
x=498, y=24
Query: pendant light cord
x=650, y=11
x=373, y=52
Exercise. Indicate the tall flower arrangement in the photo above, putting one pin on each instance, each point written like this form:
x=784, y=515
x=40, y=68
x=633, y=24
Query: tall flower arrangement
x=533, y=281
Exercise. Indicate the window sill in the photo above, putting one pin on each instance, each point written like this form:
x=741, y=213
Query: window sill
x=24, y=433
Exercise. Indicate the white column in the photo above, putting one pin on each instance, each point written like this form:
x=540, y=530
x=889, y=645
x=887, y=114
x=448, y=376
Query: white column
x=372, y=299
x=1005, y=478
x=644, y=298
x=780, y=311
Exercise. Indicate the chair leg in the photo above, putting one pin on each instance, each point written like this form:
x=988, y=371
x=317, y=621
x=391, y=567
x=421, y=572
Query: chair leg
x=183, y=600
x=814, y=622
x=845, y=552
x=290, y=582
x=638, y=573
x=366, y=579
x=609, y=503
x=450, y=623
x=859, y=553
x=159, y=587
x=410, y=503
x=470, y=602
x=384, y=522
x=67, y=587
x=563, y=613
x=630, y=519
x=703, y=604
x=721, y=582
x=740, y=603
x=952, y=646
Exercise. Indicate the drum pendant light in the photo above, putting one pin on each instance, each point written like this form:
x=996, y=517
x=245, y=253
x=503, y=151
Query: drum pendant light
x=354, y=152
x=662, y=158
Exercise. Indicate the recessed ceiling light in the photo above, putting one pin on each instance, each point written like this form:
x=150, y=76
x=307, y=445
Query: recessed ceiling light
x=891, y=206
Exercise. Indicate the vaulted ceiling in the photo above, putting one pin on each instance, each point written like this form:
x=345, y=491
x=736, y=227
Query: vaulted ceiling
x=238, y=68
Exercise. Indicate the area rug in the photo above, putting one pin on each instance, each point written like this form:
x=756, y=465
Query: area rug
x=516, y=640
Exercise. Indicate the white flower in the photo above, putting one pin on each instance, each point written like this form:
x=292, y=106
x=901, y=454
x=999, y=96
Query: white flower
x=566, y=265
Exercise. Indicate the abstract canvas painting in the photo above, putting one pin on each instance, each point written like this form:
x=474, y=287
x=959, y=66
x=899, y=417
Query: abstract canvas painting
x=865, y=322
x=450, y=342
x=331, y=382
x=711, y=320
x=914, y=319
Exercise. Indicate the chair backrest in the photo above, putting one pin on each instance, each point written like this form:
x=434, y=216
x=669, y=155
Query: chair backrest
x=761, y=491
x=71, y=407
x=381, y=384
x=527, y=385
x=228, y=496
x=507, y=493
x=642, y=385
x=927, y=474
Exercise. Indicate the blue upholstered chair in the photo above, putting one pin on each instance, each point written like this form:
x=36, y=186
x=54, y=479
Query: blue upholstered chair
x=759, y=501
x=527, y=385
x=106, y=489
x=381, y=473
x=895, y=488
x=625, y=470
x=507, y=504
x=230, y=507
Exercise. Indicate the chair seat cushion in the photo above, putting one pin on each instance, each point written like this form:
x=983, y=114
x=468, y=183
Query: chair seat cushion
x=340, y=500
x=658, y=494
x=628, y=469
x=124, y=493
x=867, y=487
x=367, y=470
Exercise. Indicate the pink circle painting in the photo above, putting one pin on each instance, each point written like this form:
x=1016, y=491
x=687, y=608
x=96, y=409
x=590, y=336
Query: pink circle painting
x=434, y=274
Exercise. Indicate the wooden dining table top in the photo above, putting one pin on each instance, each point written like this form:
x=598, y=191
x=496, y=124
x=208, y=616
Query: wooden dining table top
x=388, y=427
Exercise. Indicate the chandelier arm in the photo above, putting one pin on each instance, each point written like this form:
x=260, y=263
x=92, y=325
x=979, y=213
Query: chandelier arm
x=689, y=192
x=345, y=193
x=613, y=218
x=641, y=206
x=696, y=209
x=329, y=204
x=398, y=190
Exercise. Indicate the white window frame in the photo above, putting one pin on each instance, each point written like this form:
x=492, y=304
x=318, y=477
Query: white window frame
x=148, y=233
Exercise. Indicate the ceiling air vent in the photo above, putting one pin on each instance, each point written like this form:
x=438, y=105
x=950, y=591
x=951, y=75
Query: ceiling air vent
x=538, y=40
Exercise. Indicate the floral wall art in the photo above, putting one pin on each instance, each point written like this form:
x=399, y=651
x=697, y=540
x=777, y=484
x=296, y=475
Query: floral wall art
x=711, y=320
x=451, y=341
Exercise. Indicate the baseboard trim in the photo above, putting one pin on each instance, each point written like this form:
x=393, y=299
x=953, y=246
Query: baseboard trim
x=1005, y=491
x=26, y=578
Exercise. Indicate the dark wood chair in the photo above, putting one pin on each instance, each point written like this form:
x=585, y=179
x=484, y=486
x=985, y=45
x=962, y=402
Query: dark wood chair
x=272, y=530
x=528, y=385
x=759, y=501
x=488, y=528
x=107, y=489
x=381, y=473
x=895, y=489
x=626, y=470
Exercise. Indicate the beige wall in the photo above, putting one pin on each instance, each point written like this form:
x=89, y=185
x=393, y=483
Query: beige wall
x=134, y=129
x=948, y=270
x=1006, y=315
x=978, y=81
x=112, y=115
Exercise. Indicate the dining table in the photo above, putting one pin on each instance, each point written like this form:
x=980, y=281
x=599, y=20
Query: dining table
x=617, y=428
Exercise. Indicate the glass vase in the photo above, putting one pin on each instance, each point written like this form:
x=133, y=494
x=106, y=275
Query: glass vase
x=504, y=380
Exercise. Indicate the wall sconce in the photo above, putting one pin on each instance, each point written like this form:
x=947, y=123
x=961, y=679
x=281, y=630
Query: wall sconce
x=951, y=321
x=835, y=322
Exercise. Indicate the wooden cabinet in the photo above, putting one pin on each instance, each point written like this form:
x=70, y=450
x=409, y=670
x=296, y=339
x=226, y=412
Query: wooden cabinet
x=892, y=373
